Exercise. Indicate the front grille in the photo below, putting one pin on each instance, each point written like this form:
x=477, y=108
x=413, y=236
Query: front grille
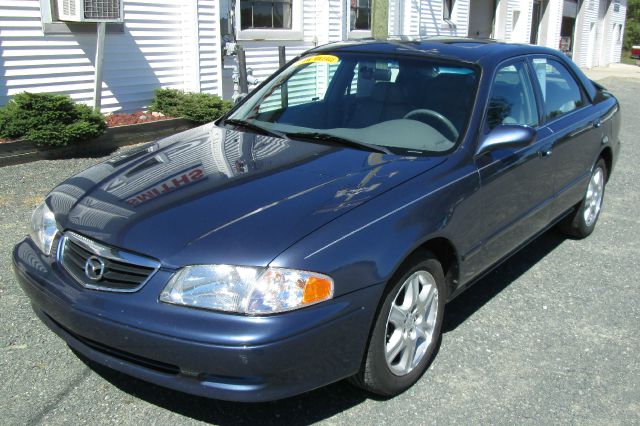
x=114, y=269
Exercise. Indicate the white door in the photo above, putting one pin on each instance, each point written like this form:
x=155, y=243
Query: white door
x=603, y=52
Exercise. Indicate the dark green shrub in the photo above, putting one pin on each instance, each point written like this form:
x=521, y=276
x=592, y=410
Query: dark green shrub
x=203, y=108
x=167, y=101
x=199, y=107
x=49, y=119
x=632, y=26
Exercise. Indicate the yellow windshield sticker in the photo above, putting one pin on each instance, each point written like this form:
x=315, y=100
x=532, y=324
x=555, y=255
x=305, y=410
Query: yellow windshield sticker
x=327, y=59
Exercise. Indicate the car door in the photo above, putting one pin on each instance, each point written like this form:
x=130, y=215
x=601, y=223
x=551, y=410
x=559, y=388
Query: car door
x=576, y=127
x=516, y=183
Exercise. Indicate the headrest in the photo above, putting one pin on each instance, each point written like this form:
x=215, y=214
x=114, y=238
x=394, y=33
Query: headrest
x=387, y=92
x=376, y=74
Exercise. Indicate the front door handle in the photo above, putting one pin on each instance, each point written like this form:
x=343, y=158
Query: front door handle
x=597, y=123
x=545, y=152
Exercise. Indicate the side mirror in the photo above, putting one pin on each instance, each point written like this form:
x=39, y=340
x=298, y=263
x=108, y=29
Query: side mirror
x=507, y=136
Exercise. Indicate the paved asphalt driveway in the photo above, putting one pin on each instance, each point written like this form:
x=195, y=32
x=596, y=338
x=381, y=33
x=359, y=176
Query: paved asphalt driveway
x=552, y=336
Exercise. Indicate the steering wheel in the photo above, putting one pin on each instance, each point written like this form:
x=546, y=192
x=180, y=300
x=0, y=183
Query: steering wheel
x=435, y=114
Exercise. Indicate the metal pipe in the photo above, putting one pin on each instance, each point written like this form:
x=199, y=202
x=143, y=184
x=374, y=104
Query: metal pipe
x=242, y=71
x=284, y=90
x=97, y=89
x=282, y=55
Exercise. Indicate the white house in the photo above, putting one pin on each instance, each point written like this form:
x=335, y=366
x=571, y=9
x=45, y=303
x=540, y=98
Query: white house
x=162, y=43
x=588, y=30
x=179, y=43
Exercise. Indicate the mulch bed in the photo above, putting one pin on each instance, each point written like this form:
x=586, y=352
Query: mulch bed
x=115, y=120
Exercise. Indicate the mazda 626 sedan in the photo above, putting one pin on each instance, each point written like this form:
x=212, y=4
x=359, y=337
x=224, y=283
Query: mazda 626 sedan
x=317, y=231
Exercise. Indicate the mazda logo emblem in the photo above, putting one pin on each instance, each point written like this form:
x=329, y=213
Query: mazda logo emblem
x=94, y=268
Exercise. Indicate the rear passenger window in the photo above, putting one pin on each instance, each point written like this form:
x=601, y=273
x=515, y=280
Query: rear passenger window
x=560, y=90
x=512, y=99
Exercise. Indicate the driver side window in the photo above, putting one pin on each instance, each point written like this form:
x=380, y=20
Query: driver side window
x=512, y=99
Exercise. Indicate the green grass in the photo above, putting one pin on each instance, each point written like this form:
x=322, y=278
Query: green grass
x=626, y=58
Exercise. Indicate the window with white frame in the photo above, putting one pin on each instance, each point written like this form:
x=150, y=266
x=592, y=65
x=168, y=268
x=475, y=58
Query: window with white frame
x=265, y=14
x=360, y=15
x=268, y=19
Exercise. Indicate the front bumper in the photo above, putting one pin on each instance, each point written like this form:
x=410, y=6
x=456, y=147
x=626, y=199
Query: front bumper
x=223, y=356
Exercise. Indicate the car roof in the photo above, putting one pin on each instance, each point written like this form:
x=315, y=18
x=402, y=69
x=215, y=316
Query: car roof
x=457, y=48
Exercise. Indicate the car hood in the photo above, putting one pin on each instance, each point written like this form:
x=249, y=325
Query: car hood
x=211, y=195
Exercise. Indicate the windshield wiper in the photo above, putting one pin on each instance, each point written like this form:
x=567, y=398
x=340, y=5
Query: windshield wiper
x=250, y=126
x=326, y=137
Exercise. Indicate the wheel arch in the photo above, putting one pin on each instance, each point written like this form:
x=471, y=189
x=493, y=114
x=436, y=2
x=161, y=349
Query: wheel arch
x=445, y=252
x=607, y=155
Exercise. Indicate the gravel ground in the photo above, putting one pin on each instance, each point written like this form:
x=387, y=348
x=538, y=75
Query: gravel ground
x=552, y=336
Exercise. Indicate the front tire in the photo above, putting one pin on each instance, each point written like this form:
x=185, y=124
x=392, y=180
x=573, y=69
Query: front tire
x=407, y=329
x=581, y=223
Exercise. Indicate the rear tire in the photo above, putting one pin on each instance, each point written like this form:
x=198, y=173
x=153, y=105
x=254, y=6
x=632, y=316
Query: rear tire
x=581, y=223
x=403, y=342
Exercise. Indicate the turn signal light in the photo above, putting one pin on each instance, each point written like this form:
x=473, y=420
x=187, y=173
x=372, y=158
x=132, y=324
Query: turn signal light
x=316, y=290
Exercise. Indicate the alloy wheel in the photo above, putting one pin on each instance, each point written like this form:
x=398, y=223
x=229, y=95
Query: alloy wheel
x=411, y=323
x=593, y=198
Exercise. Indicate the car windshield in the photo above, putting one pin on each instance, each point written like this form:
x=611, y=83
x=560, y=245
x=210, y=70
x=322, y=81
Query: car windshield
x=395, y=102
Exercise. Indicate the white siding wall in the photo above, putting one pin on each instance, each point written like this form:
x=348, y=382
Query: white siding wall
x=520, y=29
x=429, y=18
x=323, y=22
x=601, y=34
x=336, y=26
x=411, y=19
x=601, y=47
x=209, y=55
x=502, y=20
x=156, y=49
x=508, y=28
x=263, y=60
x=461, y=17
x=611, y=29
x=309, y=19
x=587, y=16
x=394, y=17
x=555, y=25
x=424, y=18
x=607, y=33
x=617, y=18
x=175, y=43
x=321, y=35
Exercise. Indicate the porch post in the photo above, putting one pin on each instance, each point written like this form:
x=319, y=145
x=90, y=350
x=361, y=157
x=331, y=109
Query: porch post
x=380, y=19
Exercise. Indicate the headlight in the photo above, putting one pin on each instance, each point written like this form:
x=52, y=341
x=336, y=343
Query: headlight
x=43, y=228
x=246, y=290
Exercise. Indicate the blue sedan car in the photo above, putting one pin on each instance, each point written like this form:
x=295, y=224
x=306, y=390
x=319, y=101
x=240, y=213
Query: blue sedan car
x=317, y=231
